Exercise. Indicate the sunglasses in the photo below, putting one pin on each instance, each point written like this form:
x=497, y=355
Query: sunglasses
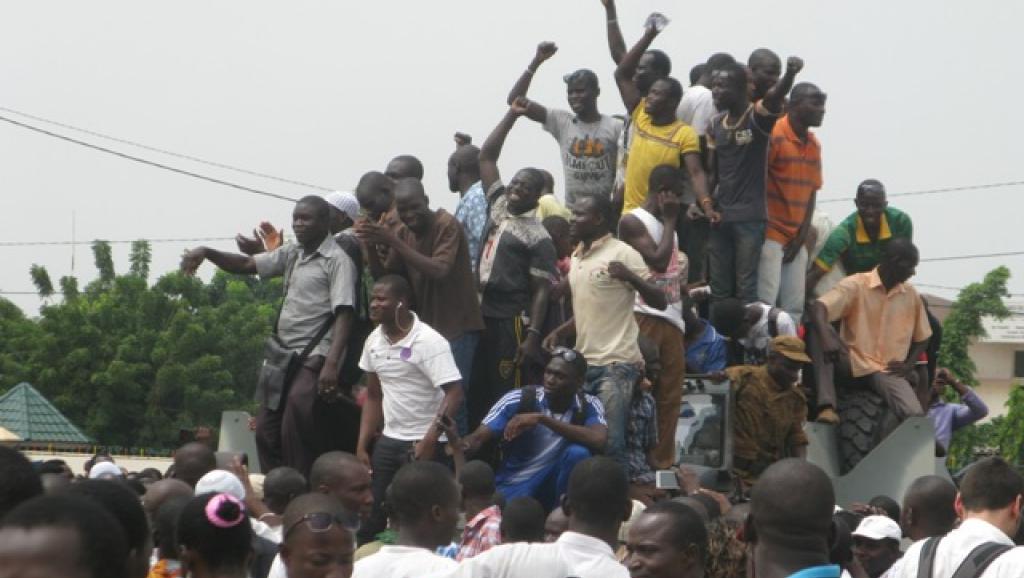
x=565, y=353
x=319, y=522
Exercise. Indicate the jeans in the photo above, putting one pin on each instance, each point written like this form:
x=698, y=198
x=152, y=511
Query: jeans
x=463, y=349
x=613, y=385
x=735, y=251
x=782, y=284
x=550, y=484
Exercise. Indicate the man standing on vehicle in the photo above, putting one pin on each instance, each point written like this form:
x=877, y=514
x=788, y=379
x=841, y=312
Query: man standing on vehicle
x=319, y=286
x=884, y=329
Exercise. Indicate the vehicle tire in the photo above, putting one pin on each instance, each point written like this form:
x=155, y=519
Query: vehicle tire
x=861, y=414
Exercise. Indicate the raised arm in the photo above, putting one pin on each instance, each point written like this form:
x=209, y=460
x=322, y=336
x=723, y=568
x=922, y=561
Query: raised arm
x=627, y=68
x=616, y=43
x=491, y=149
x=230, y=262
x=776, y=95
x=534, y=111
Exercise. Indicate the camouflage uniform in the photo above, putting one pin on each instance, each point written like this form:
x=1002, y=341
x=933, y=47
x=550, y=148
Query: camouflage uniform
x=768, y=421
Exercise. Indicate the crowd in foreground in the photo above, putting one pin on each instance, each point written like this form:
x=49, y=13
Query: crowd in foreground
x=203, y=522
x=517, y=368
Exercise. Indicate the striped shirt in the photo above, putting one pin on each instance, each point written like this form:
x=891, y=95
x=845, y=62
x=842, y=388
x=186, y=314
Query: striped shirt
x=794, y=174
x=535, y=450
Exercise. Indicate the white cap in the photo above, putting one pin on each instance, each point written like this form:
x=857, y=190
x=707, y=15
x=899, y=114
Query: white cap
x=220, y=482
x=878, y=528
x=105, y=470
x=345, y=202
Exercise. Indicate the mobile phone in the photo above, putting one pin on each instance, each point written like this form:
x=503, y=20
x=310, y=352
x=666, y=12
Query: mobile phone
x=666, y=480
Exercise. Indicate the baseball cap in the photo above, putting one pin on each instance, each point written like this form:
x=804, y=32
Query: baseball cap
x=345, y=202
x=878, y=528
x=791, y=347
x=221, y=482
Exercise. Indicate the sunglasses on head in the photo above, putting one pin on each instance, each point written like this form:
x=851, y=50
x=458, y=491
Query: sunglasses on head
x=565, y=353
x=318, y=522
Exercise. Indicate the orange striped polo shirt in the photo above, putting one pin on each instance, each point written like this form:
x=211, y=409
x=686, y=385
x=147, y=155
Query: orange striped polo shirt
x=794, y=174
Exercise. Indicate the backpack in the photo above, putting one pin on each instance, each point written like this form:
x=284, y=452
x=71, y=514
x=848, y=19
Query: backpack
x=528, y=404
x=973, y=565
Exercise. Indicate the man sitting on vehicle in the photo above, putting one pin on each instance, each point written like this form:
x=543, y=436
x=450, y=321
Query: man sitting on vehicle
x=770, y=410
x=547, y=430
x=884, y=329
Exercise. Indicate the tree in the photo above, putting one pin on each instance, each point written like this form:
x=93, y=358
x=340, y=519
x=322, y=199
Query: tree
x=961, y=327
x=133, y=363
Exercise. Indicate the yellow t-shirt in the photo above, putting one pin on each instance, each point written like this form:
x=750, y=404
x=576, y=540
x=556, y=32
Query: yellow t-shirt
x=548, y=206
x=652, y=146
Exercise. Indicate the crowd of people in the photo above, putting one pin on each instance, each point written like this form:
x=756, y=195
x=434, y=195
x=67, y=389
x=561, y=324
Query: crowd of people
x=516, y=369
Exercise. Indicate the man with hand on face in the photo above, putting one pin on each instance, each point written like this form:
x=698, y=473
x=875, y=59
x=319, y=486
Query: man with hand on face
x=770, y=410
x=668, y=540
x=588, y=139
x=517, y=264
x=411, y=381
x=876, y=544
x=319, y=292
x=605, y=277
x=431, y=251
x=658, y=137
x=547, y=431
x=884, y=329
x=738, y=141
x=651, y=230
x=319, y=538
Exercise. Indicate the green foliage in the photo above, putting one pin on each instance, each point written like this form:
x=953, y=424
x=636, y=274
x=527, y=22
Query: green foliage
x=132, y=363
x=140, y=258
x=41, y=279
x=961, y=327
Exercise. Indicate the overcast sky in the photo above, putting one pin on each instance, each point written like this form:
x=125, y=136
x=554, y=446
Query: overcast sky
x=324, y=91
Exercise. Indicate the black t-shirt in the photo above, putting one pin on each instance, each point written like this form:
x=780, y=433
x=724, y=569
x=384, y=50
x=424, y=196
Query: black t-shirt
x=742, y=156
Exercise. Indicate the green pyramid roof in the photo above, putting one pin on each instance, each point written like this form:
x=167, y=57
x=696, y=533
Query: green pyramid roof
x=24, y=411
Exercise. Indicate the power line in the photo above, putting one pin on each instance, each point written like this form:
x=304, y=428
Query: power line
x=977, y=256
x=165, y=151
x=147, y=162
x=936, y=191
x=119, y=241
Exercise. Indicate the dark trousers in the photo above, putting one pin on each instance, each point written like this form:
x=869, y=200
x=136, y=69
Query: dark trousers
x=693, y=240
x=494, y=366
x=389, y=455
x=297, y=433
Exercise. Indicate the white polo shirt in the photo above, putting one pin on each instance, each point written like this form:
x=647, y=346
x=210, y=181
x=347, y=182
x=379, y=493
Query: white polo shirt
x=411, y=373
x=953, y=550
x=572, y=554
x=401, y=562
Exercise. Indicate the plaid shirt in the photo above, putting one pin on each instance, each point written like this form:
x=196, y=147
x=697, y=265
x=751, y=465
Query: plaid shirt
x=641, y=436
x=481, y=533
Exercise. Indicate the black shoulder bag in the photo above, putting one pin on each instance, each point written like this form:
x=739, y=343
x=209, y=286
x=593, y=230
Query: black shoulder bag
x=280, y=364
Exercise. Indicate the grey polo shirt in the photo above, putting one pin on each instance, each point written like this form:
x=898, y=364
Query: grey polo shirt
x=315, y=285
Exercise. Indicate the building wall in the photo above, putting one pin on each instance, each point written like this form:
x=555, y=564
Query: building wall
x=995, y=363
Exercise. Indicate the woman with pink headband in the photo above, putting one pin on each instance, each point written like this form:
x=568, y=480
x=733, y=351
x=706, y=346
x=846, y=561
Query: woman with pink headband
x=215, y=537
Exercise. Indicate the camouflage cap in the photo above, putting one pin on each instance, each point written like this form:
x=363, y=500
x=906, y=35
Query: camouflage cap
x=791, y=347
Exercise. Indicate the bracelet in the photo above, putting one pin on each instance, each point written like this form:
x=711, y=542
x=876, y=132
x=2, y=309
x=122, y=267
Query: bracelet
x=528, y=71
x=612, y=20
x=706, y=200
